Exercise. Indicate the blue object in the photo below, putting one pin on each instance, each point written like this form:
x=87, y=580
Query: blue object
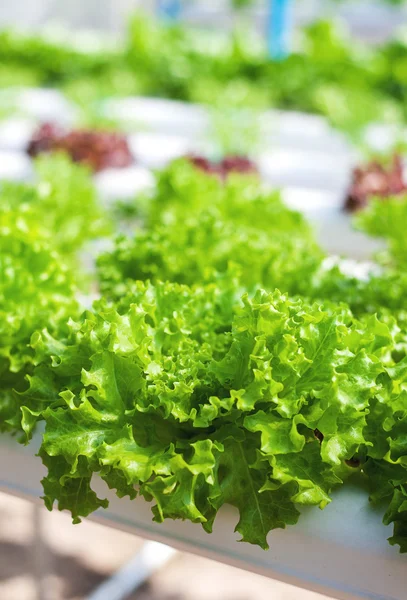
x=279, y=28
x=169, y=9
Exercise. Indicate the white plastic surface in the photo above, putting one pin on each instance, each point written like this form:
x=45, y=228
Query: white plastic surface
x=332, y=225
x=306, y=168
x=123, y=184
x=159, y=115
x=135, y=573
x=15, y=133
x=341, y=551
x=46, y=105
x=14, y=166
x=290, y=129
x=278, y=128
x=156, y=150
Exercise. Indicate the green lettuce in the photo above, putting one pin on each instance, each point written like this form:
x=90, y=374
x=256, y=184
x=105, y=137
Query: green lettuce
x=204, y=247
x=383, y=458
x=242, y=199
x=61, y=206
x=386, y=455
x=36, y=290
x=51, y=62
x=382, y=291
x=43, y=227
x=328, y=71
x=201, y=228
x=385, y=218
x=194, y=399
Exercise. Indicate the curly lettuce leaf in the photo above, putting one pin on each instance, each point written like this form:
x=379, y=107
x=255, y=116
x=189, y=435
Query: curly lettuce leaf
x=202, y=229
x=382, y=292
x=201, y=249
x=61, y=207
x=36, y=290
x=194, y=400
x=43, y=226
x=385, y=456
x=181, y=187
x=385, y=218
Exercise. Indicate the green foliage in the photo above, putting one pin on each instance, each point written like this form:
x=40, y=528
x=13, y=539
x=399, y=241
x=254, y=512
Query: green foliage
x=180, y=390
x=174, y=386
x=51, y=61
x=327, y=73
x=382, y=292
x=386, y=462
x=61, y=207
x=169, y=396
x=36, y=290
x=203, y=228
x=43, y=226
x=386, y=218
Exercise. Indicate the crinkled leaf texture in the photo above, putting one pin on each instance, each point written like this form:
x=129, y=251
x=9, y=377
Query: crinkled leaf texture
x=61, y=207
x=239, y=198
x=386, y=460
x=36, y=290
x=195, y=400
x=386, y=218
x=202, y=229
x=42, y=228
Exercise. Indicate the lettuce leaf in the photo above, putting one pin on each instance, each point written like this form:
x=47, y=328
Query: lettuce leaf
x=194, y=399
x=385, y=218
x=36, y=290
x=202, y=229
x=201, y=249
x=61, y=207
x=43, y=226
x=386, y=453
x=241, y=198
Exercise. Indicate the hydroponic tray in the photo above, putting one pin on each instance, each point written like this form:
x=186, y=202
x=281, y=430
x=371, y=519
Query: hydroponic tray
x=341, y=551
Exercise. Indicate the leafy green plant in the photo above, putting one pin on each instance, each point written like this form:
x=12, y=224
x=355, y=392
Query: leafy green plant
x=51, y=62
x=36, y=290
x=173, y=386
x=43, y=226
x=61, y=206
x=203, y=228
x=386, y=218
x=185, y=393
x=164, y=397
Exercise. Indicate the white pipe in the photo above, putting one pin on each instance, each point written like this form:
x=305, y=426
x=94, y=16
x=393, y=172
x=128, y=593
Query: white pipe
x=133, y=574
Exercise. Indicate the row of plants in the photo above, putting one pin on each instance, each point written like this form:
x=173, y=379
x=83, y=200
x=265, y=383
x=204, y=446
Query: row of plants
x=329, y=72
x=225, y=361
x=99, y=149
